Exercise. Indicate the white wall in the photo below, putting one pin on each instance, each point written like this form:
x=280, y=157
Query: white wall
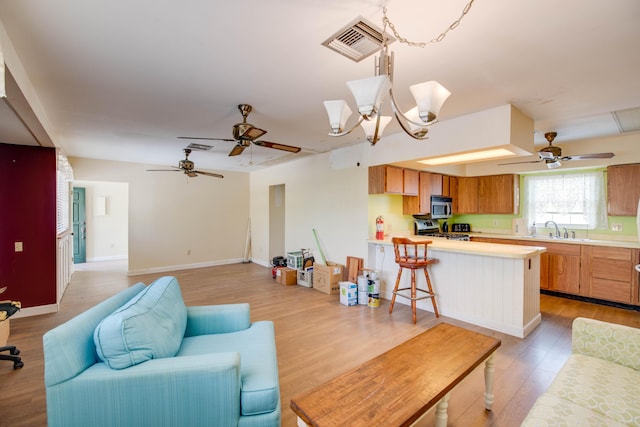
x=107, y=235
x=177, y=222
x=325, y=192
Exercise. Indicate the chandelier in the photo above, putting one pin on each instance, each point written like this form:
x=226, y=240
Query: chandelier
x=369, y=93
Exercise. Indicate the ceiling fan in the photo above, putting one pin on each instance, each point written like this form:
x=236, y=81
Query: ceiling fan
x=552, y=155
x=188, y=167
x=245, y=133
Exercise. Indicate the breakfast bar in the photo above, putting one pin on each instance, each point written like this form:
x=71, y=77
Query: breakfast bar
x=495, y=286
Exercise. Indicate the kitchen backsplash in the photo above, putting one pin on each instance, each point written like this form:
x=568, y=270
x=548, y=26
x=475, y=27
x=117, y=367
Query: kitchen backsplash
x=395, y=222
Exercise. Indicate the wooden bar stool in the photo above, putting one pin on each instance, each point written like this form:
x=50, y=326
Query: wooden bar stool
x=413, y=255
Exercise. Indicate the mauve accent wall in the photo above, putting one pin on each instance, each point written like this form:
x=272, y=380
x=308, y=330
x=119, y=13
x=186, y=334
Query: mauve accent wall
x=28, y=215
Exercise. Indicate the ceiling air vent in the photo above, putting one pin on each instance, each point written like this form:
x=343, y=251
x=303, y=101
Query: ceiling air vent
x=358, y=40
x=200, y=147
x=628, y=120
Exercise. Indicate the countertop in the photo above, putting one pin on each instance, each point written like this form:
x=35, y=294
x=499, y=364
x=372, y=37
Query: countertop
x=473, y=248
x=540, y=240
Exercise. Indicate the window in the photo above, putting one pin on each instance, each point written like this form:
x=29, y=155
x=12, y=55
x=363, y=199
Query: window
x=64, y=176
x=576, y=200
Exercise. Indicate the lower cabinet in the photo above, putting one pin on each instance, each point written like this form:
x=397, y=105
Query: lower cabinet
x=600, y=272
x=609, y=273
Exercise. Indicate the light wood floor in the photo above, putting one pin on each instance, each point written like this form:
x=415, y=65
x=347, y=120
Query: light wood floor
x=317, y=339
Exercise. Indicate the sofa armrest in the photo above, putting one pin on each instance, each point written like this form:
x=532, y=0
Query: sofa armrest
x=217, y=319
x=189, y=391
x=608, y=341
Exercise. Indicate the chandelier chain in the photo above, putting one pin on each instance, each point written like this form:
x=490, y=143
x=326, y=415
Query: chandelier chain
x=438, y=39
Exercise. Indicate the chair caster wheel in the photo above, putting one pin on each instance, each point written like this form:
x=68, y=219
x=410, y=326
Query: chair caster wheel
x=15, y=352
x=18, y=365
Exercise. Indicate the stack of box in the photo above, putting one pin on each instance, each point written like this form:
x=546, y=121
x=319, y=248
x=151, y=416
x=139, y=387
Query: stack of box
x=327, y=278
x=302, y=262
x=348, y=293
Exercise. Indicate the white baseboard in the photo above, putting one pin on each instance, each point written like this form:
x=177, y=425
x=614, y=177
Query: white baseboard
x=183, y=267
x=108, y=258
x=36, y=311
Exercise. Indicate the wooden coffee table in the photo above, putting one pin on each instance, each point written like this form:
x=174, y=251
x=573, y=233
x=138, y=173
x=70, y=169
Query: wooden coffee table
x=399, y=386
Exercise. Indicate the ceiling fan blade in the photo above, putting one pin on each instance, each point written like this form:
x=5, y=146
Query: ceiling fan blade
x=207, y=139
x=519, y=163
x=163, y=170
x=277, y=146
x=589, y=156
x=237, y=150
x=215, y=175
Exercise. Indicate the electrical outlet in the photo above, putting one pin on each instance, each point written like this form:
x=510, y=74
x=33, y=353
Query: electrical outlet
x=616, y=227
x=495, y=222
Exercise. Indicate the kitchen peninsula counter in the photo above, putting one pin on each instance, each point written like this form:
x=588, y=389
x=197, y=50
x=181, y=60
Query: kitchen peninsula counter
x=540, y=240
x=496, y=286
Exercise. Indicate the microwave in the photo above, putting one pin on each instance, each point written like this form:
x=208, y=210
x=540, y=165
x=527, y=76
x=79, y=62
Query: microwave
x=441, y=207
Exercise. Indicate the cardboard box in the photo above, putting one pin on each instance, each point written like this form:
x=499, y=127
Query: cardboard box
x=327, y=278
x=287, y=276
x=348, y=293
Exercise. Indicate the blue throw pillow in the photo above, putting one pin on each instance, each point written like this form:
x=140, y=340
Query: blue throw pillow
x=150, y=326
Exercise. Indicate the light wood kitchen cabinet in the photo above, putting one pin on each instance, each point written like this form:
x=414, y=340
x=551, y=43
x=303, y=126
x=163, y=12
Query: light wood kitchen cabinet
x=467, y=195
x=560, y=265
x=623, y=190
x=499, y=194
x=491, y=194
x=430, y=184
x=386, y=179
x=609, y=273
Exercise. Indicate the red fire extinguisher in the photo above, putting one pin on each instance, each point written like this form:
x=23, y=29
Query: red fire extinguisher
x=379, y=228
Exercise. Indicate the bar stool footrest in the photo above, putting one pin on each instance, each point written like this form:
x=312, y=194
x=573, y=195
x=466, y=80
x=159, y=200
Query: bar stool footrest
x=403, y=295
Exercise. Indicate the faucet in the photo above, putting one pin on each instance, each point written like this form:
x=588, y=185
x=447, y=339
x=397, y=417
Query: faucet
x=566, y=232
x=546, y=224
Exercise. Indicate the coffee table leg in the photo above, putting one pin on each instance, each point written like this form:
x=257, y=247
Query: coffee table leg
x=489, y=369
x=441, y=411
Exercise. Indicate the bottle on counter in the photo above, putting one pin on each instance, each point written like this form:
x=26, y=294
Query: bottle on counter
x=532, y=229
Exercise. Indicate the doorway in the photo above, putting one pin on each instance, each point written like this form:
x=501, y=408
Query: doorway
x=276, y=220
x=79, y=221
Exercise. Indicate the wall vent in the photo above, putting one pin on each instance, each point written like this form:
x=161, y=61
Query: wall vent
x=199, y=147
x=628, y=120
x=357, y=40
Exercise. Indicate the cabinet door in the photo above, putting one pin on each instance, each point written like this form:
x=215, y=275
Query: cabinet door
x=411, y=182
x=564, y=273
x=394, y=181
x=467, y=195
x=623, y=190
x=498, y=194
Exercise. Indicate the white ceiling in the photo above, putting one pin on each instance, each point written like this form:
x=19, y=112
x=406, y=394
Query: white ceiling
x=120, y=80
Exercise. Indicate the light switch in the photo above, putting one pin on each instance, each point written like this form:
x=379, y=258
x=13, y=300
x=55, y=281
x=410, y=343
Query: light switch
x=18, y=246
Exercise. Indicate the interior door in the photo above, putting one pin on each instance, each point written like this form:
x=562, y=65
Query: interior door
x=276, y=220
x=79, y=226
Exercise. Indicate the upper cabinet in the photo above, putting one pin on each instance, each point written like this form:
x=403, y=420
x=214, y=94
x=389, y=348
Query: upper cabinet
x=623, y=190
x=430, y=184
x=499, y=194
x=385, y=179
x=467, y=195
x=493, y=194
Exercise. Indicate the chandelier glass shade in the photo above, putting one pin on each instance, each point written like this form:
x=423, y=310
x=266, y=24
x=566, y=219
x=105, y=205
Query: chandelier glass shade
x=369, y=93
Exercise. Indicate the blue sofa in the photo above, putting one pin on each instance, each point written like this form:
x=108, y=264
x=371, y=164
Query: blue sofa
x=142, y=358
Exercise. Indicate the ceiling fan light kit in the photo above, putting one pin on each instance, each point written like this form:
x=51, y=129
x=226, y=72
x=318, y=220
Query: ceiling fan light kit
x=369, y=93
